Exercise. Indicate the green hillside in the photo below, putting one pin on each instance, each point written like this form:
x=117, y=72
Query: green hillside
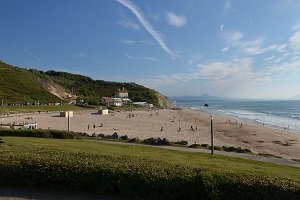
x=20, y=85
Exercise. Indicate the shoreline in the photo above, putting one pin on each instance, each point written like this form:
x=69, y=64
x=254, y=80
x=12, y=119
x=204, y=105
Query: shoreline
x=194, y=128
x=279, y=128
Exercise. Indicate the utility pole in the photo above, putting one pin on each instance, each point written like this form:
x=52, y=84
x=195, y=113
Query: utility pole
x=212, y=134
x=68, y=121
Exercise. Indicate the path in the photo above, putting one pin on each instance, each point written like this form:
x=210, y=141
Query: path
x=274, y=160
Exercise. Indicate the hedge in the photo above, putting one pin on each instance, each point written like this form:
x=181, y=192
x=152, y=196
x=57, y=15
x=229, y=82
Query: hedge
x=41, y=133
x=136, y=177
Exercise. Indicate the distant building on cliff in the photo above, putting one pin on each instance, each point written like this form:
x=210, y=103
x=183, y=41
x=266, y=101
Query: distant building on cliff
x=121, y=93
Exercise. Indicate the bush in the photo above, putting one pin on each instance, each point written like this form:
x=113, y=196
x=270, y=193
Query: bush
x=182, y=142
x=156, y=141
x=124, y=137
x=134, y=140
x=195, y=146
x=41, y=133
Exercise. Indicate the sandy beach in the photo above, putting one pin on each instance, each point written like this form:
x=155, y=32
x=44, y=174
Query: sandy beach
x=194, y=127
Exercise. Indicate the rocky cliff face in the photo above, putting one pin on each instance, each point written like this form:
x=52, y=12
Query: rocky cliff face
x=163, y=101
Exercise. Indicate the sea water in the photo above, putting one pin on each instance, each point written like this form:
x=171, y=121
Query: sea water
x=278, y=114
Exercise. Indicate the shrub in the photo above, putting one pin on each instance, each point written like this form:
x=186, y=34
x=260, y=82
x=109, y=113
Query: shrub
x=134, y=140
x=182, y=142
x=101, y=135
x=124, y=137
x=156, y=141
x=195, y=146
x=41, y=133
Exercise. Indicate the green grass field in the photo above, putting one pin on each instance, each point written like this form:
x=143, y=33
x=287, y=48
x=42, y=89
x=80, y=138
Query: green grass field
x=42, y=108
x=229, y=170
x=203, y=160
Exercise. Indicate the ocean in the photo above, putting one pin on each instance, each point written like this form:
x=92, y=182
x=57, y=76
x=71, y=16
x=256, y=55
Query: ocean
x=283, y=115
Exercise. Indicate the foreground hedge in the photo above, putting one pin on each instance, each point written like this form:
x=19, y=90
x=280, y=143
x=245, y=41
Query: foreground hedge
x=41, y=133
x=135, y=177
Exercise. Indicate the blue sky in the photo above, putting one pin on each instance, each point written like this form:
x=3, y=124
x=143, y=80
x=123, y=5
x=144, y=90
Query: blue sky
x=233, y=48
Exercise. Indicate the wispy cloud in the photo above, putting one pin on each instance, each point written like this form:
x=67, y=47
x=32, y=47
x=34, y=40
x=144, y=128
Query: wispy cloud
x=222, y=27
x=141, y=58
x=79, y=55
x=129, y=41
x=295, y=40
x=175, y=20
x=194, y=58
x=148, y=27
x=35, y=57
x=225, y=49
x=128, y=23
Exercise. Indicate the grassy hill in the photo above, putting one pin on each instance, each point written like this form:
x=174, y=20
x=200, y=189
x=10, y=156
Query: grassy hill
x=20, y=85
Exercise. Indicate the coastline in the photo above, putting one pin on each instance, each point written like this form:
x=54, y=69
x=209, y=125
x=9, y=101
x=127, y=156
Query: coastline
x=146, y=124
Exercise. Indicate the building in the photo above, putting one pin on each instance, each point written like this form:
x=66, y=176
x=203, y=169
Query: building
x=66, y=114
x=106, y=101
x=116, y=102
x=121, y=93
x=103, y=112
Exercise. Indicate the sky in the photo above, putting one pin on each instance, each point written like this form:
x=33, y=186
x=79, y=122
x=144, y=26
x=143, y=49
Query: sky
x=230, y=48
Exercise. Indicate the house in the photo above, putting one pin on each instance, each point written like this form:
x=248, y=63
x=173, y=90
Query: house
x=106, y=101
x=116, y=102
x=103, y=112
x=66, y=114
x=121, y=93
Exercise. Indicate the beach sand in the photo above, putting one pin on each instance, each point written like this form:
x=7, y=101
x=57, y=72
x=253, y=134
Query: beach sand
x=146, y=124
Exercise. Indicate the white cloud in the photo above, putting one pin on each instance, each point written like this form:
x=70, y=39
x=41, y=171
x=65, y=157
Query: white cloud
x=225, y=49
x=175, y=20
x=222, y=27
x=255, y=50
x=148, y=27
x=141, y=58
x=268, y=58
x=129, y=24
x=227, y=5
x=232, y=38
x=194, y=58
x=295, y=41
x=129, y=41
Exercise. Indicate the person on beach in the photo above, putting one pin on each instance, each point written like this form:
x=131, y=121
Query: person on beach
x=162, y=129
x=241, y=125
x=192, y=129
x=94, y=126
x=88, y=127
x=179, y=129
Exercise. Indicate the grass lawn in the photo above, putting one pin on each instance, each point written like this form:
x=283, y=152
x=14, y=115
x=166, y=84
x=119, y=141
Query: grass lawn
x=42, y=108
x=198, y=160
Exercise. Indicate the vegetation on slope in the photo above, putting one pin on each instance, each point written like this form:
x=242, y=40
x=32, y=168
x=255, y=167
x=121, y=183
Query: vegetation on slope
x=92, y=90
x=20, y=86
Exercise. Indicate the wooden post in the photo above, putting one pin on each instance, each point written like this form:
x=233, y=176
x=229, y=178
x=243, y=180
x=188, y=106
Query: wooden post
x=212, y=134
